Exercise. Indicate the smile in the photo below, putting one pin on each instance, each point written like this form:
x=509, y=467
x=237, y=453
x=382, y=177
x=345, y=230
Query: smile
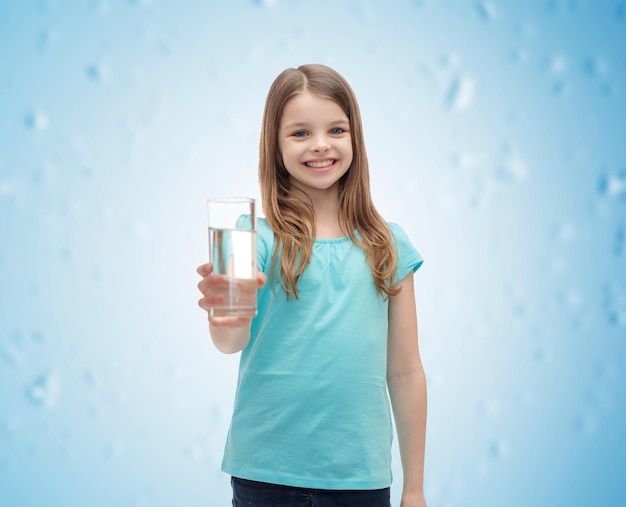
x=321, y=164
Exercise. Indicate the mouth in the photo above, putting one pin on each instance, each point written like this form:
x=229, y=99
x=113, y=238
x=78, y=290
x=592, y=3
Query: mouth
x=321, y=164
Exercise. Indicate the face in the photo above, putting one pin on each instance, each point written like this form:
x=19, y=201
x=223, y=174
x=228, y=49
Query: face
x=315, y=143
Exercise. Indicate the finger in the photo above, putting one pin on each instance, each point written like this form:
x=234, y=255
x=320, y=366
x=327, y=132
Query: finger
x=204, y=304
x=261, y=279
x=205, y=269
x=229, y=321
x=209, y=281
x=211, y=301
x=204, y=286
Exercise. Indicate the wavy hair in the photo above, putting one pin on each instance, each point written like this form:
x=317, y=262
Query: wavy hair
x=291, y=218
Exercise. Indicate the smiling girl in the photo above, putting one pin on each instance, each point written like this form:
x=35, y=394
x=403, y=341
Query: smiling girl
x=335, y=337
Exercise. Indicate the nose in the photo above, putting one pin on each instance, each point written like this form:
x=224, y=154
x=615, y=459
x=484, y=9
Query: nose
x=321, y=144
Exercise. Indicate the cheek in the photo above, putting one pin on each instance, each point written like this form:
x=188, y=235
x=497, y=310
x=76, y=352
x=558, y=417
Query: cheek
x=291, y=154
x=281, y=153
x=349, y=152
x=285, y=159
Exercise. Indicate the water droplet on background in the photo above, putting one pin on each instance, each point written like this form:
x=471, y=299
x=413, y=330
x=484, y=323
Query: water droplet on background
x=139, y=229
x=614, y=302
x=560, y=88
x=558, y=65
x=499, y=449
x=519, y=55
x=564, y=6
x=540, y=355
x=38, y=337
x=266, y=3
x=44, y=391
x=465, y=160
x=48, y=38
x=196, y=451
x=596, y=66
x=450, y=61
x=37, y=120
x=98, y=72
x=613, y=184
x=9, y=424
x=572, y=299
x=490, y=408
x=10, y=355
x=114, y=450
x=487, y=11
x=461, y=94
x=512, y=168
x=618, y=241
x=586, y=424
x=90, y=379
x=7, y=188
x=564, y=232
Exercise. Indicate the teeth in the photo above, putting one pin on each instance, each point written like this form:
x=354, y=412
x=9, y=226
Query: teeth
x=325, y=163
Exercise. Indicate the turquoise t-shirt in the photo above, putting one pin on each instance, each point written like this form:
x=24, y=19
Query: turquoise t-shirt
x=311, y=408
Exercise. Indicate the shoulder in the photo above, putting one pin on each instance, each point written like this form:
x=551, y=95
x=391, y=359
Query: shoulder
x=398, y=234
x=265, y=241
x=394, y=228
x=263, y=228
x=409, y=259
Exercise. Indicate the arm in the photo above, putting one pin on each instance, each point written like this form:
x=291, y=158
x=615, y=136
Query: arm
x=229, y=334
x=407, y=390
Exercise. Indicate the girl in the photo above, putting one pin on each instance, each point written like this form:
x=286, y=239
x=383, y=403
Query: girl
x=336, y=328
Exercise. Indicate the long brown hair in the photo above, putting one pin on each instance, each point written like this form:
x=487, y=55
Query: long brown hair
x=293, y=219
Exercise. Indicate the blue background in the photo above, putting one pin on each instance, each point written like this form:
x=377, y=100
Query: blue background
x=496, y=137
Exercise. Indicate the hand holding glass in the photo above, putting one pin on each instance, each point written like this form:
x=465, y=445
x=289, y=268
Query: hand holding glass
x=232, y=250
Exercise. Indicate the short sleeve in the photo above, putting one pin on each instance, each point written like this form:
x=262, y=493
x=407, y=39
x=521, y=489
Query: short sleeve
x=409, y=259
x=264, y=238
x=244, y=222
x=264, y=245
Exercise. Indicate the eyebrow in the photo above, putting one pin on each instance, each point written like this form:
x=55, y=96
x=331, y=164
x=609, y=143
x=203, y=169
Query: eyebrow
x=299, y=124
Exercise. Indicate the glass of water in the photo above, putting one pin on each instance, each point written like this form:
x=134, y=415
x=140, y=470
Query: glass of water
x=232, y=250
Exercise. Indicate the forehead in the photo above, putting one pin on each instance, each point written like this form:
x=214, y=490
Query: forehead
x=307, y=106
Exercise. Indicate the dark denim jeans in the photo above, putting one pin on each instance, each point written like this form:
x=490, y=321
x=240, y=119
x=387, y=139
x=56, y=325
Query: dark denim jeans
x=260, y=494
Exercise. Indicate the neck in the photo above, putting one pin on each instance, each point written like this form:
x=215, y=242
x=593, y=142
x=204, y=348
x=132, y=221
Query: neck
x=326, y=206
x=327, y=224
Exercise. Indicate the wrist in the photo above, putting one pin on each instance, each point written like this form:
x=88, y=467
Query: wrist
x=413, y=498
x=412, y=488
x=412, y=492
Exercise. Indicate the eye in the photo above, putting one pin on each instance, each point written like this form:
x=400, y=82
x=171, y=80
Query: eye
x=336, y=131
x=299, y=133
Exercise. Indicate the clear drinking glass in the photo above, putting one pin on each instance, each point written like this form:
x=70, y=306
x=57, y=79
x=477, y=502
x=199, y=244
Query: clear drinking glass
x=232, y=250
